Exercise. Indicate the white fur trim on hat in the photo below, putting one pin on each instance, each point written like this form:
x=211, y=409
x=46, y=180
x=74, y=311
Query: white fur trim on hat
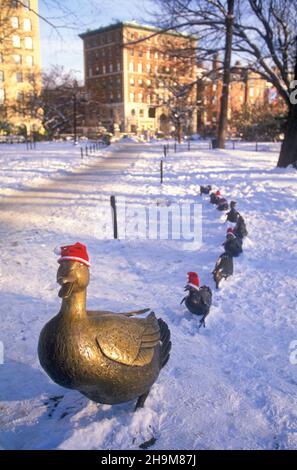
x=74, y=258
x=193, y=285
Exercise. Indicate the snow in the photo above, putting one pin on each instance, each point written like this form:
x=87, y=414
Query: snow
x=21, y=168
x=228, y=386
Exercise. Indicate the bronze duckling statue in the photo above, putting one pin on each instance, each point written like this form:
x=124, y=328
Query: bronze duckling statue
x=108, y=357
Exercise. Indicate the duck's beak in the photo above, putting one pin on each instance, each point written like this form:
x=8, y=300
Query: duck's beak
x=67, y=283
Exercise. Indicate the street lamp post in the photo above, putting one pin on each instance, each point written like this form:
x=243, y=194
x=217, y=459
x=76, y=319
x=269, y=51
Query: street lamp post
x=74, y=97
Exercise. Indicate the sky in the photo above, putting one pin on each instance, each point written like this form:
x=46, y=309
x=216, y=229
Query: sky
x=61, y=45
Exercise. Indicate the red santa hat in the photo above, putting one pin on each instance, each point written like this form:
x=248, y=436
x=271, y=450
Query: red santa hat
x=218, y=193
x=77, y=252
x=230, y=231
x=193, y=280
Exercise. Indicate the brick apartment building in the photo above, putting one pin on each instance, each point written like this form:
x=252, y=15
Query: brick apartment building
x=20, y=77
x=246, y=89
x=131, y=85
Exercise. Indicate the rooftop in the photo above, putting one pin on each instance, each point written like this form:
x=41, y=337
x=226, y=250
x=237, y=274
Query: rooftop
x=132, y=24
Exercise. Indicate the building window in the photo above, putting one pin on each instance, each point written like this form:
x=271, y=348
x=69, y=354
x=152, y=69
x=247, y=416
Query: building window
x=140, y=82
x=17, y=58
x=27, y=24
x=1, y=76
x=132, y=81
x=152, y=113
x=148, y=67
x=26, y=4
x=1, y=58
x=141, y=113
x=16, y=41
x=29, y=60
x=133, y=112
x=14, y=3
x=104, y=69
x=28, y=42
x=140, y=97
x=2, y=96
x=139, y=68
x=15, y=22
x=156, y=55
x=148, y=54
x=148, y=82
x=20, y=96
x=131, y=52
x=110, y=68
x=132, y=97
x=131, y=67
x=118, y=66
x=19, y=77
x=140, y=53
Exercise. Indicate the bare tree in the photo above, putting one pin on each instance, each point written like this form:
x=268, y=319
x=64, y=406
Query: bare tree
x=288, y=154
x=62, y=108
x=223, y=120
x=263, y=36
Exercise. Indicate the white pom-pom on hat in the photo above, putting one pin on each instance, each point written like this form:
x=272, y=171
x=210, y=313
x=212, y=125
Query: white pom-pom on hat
x=58, y=251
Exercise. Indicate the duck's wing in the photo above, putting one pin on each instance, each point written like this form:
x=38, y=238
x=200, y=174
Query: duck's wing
x=129, y=341
x=97, y=313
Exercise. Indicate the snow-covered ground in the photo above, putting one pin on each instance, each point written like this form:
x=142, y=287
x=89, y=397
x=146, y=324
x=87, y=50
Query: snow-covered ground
x=230, y=386
x=21, y=168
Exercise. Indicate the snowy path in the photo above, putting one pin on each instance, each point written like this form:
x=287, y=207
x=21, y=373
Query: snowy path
x=231, y=385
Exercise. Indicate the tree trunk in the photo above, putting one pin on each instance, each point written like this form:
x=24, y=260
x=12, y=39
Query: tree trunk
x=179, y=132
x=223, y=119
x=288, y=153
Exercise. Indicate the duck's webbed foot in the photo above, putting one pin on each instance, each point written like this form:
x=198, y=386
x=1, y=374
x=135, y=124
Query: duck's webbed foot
x=141, y=400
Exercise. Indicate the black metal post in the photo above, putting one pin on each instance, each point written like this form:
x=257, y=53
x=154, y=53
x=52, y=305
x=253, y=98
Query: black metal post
x=115, y=217
x=161, y=171
x=74, y=118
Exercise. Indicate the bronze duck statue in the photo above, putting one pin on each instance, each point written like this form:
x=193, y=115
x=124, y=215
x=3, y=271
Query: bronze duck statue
x=108, y=357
